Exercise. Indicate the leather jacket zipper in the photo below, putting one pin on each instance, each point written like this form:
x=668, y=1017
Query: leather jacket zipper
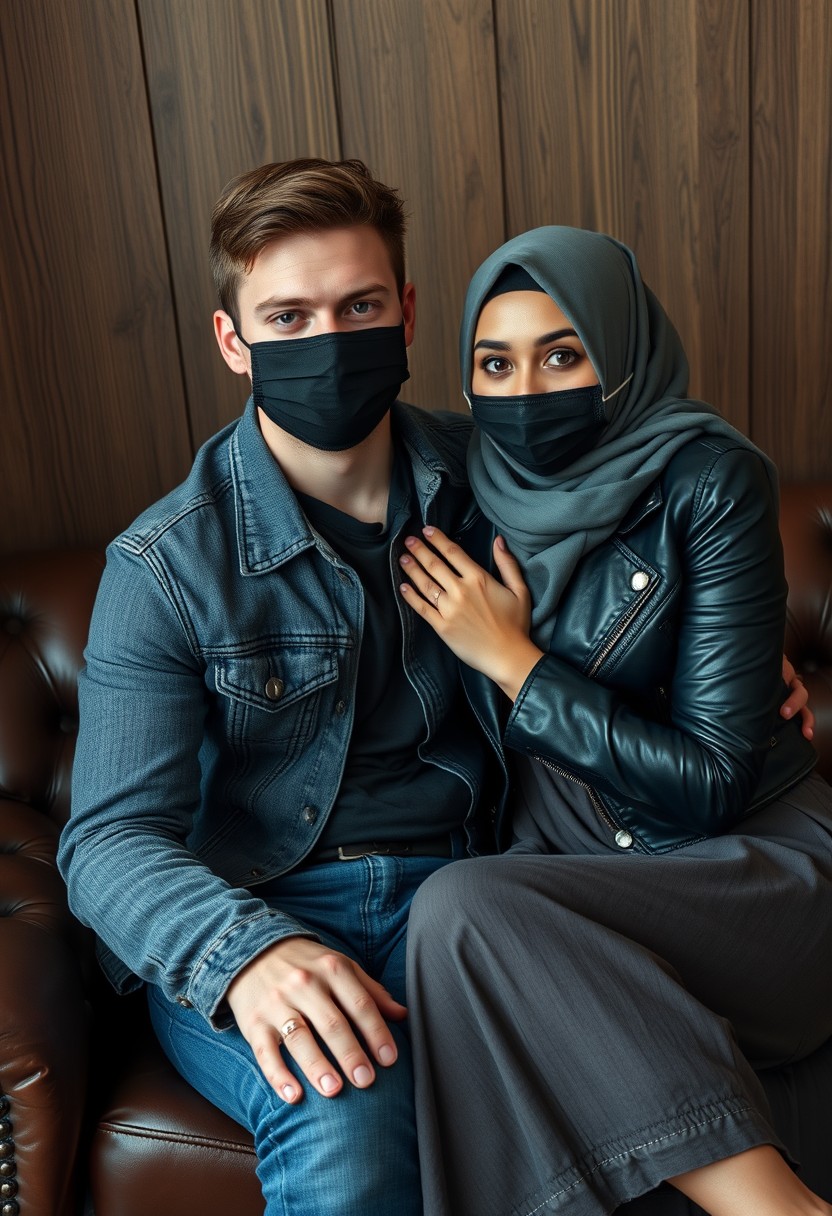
x=593, y=797
x=621, y=627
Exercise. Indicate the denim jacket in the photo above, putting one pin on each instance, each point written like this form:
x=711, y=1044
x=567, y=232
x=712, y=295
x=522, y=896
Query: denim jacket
x=216, y=709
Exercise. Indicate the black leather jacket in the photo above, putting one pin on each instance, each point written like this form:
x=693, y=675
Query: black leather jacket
x=662, y=688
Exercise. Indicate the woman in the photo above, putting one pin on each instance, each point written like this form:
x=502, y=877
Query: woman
x=662, y=923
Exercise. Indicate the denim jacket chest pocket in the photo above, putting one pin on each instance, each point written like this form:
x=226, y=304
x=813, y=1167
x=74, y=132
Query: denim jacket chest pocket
x=271, y=698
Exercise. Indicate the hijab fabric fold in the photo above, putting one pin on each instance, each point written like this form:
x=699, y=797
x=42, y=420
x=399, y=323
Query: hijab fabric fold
x=551, y=522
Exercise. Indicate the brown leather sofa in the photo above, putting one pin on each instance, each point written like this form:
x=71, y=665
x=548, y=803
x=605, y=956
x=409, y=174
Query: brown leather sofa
x=90, y=1111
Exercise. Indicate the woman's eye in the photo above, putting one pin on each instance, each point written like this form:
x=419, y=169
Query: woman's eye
x=563, y=357
x=495, y=365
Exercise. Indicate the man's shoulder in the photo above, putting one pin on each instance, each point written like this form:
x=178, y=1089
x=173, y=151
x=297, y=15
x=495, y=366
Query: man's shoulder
x=203, y=492
x=442, y=434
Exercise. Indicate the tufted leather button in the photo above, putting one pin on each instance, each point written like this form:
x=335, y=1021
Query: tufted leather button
x=274, y=688
x=5, y=1128
x=623, y=839
x=184, y=1002
x=6, y=1150
x=310, y=814
x=8, y=1188
x=9, y=1208
x=639, y=580
x=8, y=1169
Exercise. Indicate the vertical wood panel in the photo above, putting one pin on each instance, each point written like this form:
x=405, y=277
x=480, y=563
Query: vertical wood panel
x=791, y=368
x=233, y=84
x=93, y=417
x=631, y=116
x=418, y=103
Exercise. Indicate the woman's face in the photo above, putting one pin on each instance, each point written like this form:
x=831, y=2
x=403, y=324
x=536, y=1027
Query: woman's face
x=524, y=345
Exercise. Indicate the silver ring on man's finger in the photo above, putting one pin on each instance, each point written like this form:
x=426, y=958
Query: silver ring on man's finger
x=290, y=1027
x=436, y=596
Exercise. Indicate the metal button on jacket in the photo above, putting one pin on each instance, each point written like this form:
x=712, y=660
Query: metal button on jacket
x=274, y=688
x=623, y=839
x=639, y=580
x=310, y=814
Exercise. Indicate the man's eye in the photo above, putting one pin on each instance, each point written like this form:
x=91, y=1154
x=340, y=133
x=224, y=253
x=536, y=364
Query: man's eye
x=362, y=308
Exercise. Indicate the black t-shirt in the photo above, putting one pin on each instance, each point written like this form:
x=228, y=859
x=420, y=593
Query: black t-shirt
x=387, y=791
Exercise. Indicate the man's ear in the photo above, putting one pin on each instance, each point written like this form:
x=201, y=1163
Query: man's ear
x=231, y=348
x=409, y=312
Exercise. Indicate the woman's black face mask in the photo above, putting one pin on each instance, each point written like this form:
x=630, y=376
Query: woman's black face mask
x=544, y=432
x=332, y=390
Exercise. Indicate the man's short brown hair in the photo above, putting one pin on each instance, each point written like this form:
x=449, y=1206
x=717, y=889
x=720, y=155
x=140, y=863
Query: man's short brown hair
x=292, y=196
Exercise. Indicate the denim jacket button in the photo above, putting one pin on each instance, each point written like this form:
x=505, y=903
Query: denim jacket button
x=274, y=688
x=184, y=1002
x=340, y=708
x=310, y=814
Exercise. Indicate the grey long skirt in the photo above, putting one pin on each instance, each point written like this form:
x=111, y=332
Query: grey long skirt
x=585, y=1022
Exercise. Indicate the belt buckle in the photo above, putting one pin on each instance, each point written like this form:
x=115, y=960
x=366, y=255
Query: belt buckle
x=373, y=852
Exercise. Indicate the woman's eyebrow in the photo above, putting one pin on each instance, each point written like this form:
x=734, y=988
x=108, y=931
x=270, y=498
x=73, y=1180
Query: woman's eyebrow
x=543, y=340
x=554, y=335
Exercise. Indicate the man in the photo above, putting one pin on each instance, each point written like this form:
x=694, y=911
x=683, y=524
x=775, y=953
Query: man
x=273, y=753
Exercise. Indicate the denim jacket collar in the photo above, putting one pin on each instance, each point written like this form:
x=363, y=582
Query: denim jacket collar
x=271, y=527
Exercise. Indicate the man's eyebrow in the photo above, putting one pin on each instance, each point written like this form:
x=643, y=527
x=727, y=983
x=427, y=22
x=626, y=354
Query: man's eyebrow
x=543, y=340
x=289, y=303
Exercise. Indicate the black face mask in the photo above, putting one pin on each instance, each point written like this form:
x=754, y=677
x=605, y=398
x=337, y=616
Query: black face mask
x=332, y=390
x=545, y=432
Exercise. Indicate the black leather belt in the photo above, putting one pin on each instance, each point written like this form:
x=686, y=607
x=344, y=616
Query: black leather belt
x=438, y=846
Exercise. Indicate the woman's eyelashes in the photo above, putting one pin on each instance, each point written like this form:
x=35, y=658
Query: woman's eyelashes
x=562, y=358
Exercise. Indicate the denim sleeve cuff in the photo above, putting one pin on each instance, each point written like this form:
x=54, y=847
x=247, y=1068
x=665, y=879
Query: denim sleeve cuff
x=228, y=954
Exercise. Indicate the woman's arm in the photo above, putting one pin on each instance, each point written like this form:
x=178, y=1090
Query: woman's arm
x=701, y=768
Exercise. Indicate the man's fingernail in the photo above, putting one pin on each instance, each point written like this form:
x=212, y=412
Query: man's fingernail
x=288, y=1092
x=386, y=1054
x=328, y=1083
x=428, y=531
x=362, y=1075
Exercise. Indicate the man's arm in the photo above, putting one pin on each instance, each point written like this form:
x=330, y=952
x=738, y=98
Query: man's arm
x=133, y=879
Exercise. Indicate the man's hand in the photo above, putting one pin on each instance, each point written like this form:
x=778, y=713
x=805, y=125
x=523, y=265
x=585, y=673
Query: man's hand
x=297, y=985
x=797, y=701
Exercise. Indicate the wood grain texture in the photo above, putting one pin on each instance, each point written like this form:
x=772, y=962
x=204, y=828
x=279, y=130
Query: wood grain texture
x=232, y=84
x=631, y=117
x=418, y=102
x=93, y=423
x=791, y=302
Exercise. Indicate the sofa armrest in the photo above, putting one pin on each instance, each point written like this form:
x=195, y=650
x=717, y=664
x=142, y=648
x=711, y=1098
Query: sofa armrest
x=44, y=1022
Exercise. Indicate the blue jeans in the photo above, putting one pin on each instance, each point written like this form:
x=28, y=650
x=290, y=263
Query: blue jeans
x=354, y=1154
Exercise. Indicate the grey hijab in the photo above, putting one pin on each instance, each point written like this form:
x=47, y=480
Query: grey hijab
x=551, y=522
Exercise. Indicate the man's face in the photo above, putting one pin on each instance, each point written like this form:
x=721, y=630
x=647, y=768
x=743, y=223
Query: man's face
x=312, y=283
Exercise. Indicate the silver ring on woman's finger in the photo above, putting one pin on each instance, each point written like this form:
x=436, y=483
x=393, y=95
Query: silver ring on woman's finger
x=290, y=1027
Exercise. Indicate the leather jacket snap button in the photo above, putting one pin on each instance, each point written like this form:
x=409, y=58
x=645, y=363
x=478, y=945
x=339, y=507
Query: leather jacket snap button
x=624, y=840
x=639, y=580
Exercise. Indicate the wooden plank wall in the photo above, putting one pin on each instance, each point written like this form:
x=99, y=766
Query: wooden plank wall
x=698, y=131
